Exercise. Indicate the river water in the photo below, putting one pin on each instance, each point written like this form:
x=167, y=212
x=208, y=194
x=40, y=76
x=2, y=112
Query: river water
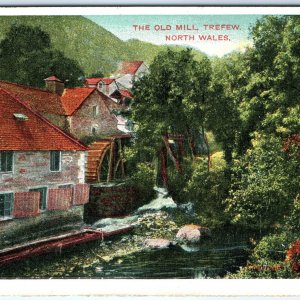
x=224, y=253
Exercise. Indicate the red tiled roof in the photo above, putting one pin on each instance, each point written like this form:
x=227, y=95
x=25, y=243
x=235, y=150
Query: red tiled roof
x=129, y=67
x=92, y=80
x=73, y=98
x=126, y=93
x=34, y=134
x=53, y=78
x=96, y=80
x=39, y=100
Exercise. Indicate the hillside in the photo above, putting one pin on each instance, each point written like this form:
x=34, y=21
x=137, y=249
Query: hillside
x=91, y=45
x=147, y=51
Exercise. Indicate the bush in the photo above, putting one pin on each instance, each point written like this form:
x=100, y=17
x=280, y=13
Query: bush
x=268, y=259
x=178, y=181
x=272, y=248
x=144, y=180
x=293, y=256
x=207, y=190
x=264, y=184
x=293, y=219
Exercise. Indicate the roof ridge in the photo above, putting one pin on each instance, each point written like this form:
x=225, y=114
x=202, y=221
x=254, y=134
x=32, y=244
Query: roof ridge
x=92, y=89
x=45, y=120
x=80, y=87
x=27, y=86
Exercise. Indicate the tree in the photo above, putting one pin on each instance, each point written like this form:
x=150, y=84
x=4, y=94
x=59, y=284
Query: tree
x=98, y=74
x=223, y=118
x=265, y=179
x=271, y=101
x=27, y=57
x=265, y=184
x=170, y=101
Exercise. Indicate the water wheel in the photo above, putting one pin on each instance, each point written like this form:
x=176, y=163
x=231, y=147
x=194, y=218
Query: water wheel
x=104, y=166
x=111, y=165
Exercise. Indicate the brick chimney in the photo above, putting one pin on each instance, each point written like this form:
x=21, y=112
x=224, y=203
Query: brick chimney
x=55, y=85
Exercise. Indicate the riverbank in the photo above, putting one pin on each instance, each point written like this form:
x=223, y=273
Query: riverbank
x=126, y=256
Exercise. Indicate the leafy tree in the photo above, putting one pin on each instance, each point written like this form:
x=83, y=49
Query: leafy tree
x=171, y=99
x=229, y=76
x=98, y=73
x=265, y=184
x=26, y=56
x=272, y=94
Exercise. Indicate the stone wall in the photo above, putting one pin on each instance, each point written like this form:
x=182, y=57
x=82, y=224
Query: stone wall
x=58, y=120
x=31, y=169
x=112, y=201
x=82, y=121
x=16, y=231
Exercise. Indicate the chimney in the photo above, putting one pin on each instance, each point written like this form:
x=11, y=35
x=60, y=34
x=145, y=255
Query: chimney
x=55, y=85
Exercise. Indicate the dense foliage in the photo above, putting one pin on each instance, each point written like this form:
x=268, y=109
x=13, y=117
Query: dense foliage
x=92, y=46
x=27, y=57
x=251, y=105
x=168, y=100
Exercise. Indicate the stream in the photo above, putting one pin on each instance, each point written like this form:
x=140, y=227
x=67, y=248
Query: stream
x=125, y=256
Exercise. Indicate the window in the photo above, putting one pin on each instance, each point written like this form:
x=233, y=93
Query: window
x=6, y=205
x=101, y=85
x=94, y=130
x=55, y=161
x=95, y=111
x=6, y=161
x=43, y=197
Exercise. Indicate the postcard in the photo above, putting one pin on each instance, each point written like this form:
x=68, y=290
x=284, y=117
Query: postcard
x=159, y=144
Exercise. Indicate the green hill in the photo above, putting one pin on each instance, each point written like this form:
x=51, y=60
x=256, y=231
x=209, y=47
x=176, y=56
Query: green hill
x=146, y=51
x=92, y=46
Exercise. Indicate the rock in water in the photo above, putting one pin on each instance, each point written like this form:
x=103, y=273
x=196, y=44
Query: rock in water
x=188, y=208
x=157, y=243
x=192, y=233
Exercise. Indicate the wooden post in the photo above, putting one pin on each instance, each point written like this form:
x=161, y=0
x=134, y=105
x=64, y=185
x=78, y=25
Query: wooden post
x=110, y=175
x=122, y=155
x=163, y=167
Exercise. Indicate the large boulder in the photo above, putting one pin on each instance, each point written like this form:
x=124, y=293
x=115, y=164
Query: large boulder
x=157, y=243
x=192, y=233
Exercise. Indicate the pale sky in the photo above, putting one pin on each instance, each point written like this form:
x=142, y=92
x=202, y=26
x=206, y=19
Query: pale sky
x=198, y=25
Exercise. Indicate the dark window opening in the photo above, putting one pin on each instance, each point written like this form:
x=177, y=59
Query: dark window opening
x=6, y=205
x=6, y=161
x=55, y=161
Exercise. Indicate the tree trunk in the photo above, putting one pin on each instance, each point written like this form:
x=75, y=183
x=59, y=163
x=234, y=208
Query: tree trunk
x=163, y=168
x=172, y=155
x=228, y=155
x=192, y=146
x=208, y=150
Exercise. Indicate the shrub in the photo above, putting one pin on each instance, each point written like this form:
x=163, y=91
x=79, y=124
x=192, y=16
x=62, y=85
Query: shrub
x=207, y=190
x=272, y=248
x=293, y=257
x=264, y=184
x=144, y=180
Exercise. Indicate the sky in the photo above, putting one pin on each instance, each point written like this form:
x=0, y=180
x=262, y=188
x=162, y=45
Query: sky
x=162, y=30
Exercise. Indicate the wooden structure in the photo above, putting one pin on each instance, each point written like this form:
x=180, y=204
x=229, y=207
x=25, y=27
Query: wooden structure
x=105, y=160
